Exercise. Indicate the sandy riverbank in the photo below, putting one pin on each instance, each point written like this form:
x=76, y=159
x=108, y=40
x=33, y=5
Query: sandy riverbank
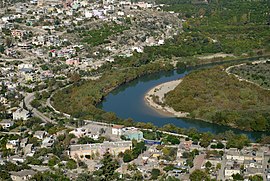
x=159, y=92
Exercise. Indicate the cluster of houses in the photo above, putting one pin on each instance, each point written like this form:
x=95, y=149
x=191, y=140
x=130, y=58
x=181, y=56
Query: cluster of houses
x=53, y=18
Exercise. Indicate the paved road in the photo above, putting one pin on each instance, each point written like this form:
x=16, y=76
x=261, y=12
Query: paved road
x=221, y=172
x=28, y=99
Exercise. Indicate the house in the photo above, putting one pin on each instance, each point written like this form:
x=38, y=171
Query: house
x=117, y=130
x=10, y=146
x=14, y=142
x=3, y=100
x=40, y=134
x=85, y=151
x=231, y=168
x=6, y=123
x=133, y=133
x=73, y=61
x=47, y=142
x=23, y=142
x=22, y=175
x=24, y=67
x=28, y=150
x=91, y=131
x=15, y=159
x=18, y=33
x=24, y=45
x=80, y=132
x=21, y=114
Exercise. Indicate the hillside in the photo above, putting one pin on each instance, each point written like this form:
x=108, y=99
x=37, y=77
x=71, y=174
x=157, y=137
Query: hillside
x=212, y=94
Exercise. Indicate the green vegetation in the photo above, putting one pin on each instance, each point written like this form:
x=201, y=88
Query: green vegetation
x=107, y=171
x=211, y=94
x=258, y=73
x=155, y=173
x=169, y=153
x=235, y=26
x=199, y=175
x=138, y=148
x=100, y=36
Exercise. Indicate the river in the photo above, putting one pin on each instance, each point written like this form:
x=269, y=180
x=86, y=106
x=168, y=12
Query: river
x=127, y=101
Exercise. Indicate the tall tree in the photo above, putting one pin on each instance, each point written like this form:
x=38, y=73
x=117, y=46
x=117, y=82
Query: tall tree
x=107, y=171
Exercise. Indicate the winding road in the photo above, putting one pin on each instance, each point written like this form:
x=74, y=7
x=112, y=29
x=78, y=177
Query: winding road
x=28, y=99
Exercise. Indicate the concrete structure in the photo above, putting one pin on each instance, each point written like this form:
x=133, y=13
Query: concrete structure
x=84, y=151
x=40, y=134
x=27, y=150
x=6, y=123
x=232, y=168
x=20, y=114
x=22, y=175
x=117, y=130
x=235, y=154
x=47, y=142
x=23, y=142
x=133, y=133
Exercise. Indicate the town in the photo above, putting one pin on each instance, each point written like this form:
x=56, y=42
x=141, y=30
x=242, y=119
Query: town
x=49, y=45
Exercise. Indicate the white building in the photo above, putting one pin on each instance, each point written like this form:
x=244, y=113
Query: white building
x=117, y=130
x=20, y=114
x=40, y=134
x=81, y=132
x=47, y=142
x=6, y=123
x=88, y=14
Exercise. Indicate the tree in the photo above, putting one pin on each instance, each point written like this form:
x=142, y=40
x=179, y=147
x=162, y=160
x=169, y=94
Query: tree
x=208, y=164
x=237, y=177
x=173, y=140
x=2, y=48
x=220, y=145
x=53, y=161
x=155, y=173
x=256, y=178
x=84, y=177
x=71, y=164
x=218, y=167
x=206, y=139
x=127, y=156
x=137, y=176
x=8, y=42
x=48, y=176
x=198, y=175
x=5, y=176
x=107, y=171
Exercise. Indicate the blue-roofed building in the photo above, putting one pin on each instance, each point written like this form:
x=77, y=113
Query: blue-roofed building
x=152, y=142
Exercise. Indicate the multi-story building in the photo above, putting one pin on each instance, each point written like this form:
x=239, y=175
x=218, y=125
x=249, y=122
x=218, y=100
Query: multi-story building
x=84, y=151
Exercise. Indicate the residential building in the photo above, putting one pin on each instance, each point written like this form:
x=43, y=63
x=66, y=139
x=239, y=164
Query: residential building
x=21, y=114
x=84, y=151
x=231, y=168
x=133, y=133
x=22, y=175
x=117, y=130
x=18, y=33
x=47, y=142
x=28, y=150
x=40, y=134
x=6, y=123
x=23, y=142
x=73, y=61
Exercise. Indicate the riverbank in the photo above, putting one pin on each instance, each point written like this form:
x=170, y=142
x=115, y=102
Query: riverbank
x=155, y=99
